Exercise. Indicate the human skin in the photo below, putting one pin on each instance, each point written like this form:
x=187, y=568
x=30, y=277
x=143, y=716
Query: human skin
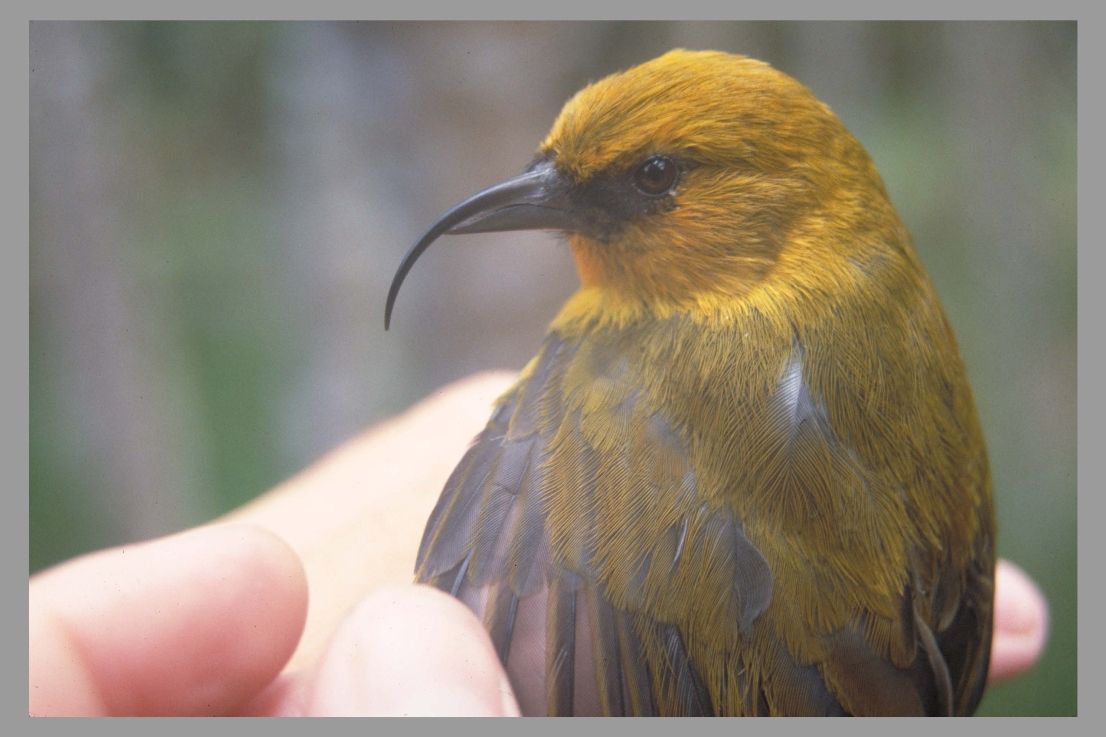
x=216, y=620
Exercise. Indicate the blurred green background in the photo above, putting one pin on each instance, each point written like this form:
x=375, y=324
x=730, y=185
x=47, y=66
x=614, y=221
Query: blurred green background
x=217, y=210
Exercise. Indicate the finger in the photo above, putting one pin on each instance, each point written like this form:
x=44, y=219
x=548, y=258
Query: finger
x=407, y=651
x=1020, y=625
x=194, y=623
x=356, y=517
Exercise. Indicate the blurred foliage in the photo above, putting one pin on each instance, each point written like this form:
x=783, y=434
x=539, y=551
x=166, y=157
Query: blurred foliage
x=216, y=210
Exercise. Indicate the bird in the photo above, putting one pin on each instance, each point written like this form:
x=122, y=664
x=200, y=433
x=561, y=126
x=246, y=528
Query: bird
x=744, y=474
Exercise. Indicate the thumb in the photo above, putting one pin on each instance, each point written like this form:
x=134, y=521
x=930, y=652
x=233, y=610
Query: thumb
x=410, y=651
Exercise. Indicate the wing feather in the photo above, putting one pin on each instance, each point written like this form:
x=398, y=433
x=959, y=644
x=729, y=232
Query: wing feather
x=662, y=595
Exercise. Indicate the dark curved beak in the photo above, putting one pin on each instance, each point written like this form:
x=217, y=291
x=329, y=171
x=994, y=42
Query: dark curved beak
x=535, y=200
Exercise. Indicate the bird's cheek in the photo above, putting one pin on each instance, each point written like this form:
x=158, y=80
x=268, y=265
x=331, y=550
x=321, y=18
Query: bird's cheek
x=589, y=262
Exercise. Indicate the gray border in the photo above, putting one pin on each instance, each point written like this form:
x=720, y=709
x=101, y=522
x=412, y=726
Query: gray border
x=1090, y=430
x=15, y=263
x=14, y=300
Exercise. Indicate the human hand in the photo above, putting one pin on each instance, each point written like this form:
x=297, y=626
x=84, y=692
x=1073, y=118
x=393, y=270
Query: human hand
x=216, y=620
x=1020, y=623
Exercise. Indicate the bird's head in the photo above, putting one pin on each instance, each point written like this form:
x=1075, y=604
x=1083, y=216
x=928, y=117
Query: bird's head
x=687, y=181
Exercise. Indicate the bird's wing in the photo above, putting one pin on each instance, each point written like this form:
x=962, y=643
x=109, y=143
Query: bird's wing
x=565, y=517
x=612, y=583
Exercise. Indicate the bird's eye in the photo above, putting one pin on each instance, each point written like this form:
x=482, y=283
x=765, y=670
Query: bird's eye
x=656, y=176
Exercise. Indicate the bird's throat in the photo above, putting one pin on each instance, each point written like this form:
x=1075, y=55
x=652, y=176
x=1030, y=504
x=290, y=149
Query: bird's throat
x=620, y=286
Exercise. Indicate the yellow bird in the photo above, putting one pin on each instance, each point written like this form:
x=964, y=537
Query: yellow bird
x=744, y=474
